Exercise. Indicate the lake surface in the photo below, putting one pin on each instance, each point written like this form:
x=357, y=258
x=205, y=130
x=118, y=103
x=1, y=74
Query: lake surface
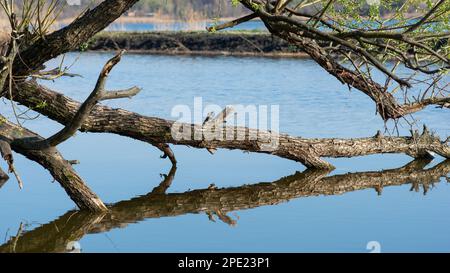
x=302, y=213
x=181, y=26
x=254, y=25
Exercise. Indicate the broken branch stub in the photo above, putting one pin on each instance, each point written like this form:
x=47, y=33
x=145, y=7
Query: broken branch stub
x=213, y=126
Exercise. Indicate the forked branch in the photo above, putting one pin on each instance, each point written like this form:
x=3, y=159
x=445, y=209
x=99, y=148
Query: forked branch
x=98, y=94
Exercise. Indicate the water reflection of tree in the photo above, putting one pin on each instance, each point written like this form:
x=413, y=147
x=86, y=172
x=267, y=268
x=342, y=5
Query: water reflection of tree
x=72, y=226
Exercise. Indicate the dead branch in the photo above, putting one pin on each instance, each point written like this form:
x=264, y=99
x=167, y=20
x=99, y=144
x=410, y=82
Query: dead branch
x=53, y=74
x=232, y=23
x=167, y=152
x=98, y=94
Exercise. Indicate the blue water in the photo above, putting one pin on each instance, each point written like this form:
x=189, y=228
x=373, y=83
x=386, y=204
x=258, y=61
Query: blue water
x=312, y=104
x=181, y=26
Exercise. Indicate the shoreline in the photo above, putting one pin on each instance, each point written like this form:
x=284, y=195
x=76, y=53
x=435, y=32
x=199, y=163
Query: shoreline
x=195, y=43
x=205, y=53
x=157, y=20
x=199, y=43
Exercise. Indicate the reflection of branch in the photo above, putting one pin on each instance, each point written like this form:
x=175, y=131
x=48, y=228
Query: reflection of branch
x=72, y=226
x=166, y=183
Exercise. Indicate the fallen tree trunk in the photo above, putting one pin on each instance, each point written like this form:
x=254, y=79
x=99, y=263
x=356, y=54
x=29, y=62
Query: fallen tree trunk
x=73, y=226
x=155, y=131
x=53, y=161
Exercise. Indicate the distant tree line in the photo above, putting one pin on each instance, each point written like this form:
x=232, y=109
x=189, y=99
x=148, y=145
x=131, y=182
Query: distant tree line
x=198, y=9
x=187, y=9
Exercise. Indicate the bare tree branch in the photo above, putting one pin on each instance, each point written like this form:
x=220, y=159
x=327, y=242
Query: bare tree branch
x=98, y=94
x=232, y=23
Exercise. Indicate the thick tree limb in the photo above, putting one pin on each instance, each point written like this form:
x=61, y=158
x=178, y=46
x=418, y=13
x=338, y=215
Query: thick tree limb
x=51, y=160
x=155, y=131
x=73, y=226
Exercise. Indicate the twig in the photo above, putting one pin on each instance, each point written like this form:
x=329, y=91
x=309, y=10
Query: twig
x=232, y=23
